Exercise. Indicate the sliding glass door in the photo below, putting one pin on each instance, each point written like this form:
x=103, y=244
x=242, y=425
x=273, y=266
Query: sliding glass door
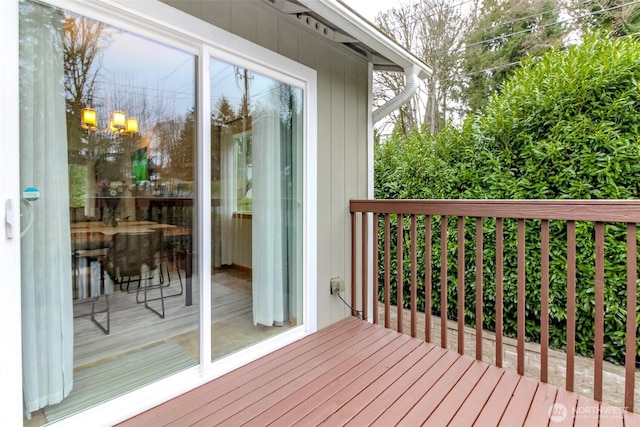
x=256, y=145
x=107, y=166
x=163, y=186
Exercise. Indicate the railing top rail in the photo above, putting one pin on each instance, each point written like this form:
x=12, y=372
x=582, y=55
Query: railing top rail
x=566, y=210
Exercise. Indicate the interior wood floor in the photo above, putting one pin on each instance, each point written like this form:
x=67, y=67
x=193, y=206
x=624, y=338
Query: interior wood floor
x=134, y=327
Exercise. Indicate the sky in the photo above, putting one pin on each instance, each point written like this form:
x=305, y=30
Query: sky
x=370, y=8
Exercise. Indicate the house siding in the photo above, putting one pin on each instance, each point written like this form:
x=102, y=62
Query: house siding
x=343, y=80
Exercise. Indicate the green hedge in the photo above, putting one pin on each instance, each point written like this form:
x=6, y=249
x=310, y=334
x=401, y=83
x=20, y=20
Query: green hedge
x=565, y=126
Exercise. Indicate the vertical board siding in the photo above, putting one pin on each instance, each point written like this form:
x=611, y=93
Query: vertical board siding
x=342, y=123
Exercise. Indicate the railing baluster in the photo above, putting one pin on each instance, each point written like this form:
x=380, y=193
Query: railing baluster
x=571, y=303
x=365, y=266
x=499, y=288
x=479, y=272
x=387, y=271
x=443, y=281
x=375, y=267
x=544, y=302
x=599, y=313
x=353, y=264
x=400, y=275
x=427, y=279
x=414, y=278
x=461, y=284
x=521, y=293
x=597, y=212
x=630, y=355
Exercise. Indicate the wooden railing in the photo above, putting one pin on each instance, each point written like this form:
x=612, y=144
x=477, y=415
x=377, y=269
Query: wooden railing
x=372, y=240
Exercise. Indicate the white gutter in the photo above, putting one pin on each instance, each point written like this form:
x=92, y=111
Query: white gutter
x=411, y=86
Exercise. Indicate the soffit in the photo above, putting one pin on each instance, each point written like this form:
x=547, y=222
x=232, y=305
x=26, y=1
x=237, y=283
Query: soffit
x=337, y=22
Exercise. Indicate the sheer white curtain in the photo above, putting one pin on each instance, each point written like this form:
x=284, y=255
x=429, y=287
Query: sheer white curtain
x=47, y=316
x=267, y=240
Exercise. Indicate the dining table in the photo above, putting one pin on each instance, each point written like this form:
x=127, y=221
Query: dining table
x=94, y=236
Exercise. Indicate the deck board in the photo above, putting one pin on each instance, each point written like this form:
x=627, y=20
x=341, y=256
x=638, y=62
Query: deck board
x=356, y=373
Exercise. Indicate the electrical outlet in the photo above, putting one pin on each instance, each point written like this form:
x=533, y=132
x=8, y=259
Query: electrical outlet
x=337, y=285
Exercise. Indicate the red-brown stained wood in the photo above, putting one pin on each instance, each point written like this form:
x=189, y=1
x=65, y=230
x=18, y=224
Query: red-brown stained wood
x=447, y=394
x=564, y=408
x=630, y=358
x=309, y=397
x=365, y=266
x=571, y=303
x=631, y=419
x=428, y=285
x=630, y=338
x=461, y=271
x=274, y=382
x=497, y=403
x=390, y=394
x=400, y=273
x=414, y=278
x=543, y=401
x=387, y=271
x=521, y=294
x=357, y=373
x=354, y=251
x=518, y=408
x=499, y=288
x=396, y=411
x=566, y=210
x=611, y=417
x=479, y=284
x=599, y=314
x=544, y=302
x=258, y=396
x=478, y=397
x=338, y=333
x=587, y=412
x=375, y=273
x=362, y=408
x=443, y=281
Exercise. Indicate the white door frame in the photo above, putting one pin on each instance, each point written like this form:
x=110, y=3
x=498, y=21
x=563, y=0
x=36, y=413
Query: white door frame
x=11, y=354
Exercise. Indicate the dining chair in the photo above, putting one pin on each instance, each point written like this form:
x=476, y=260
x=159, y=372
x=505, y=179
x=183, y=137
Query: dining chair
x=138, y=255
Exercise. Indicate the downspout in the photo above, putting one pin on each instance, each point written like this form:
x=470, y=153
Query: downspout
x=410, y=88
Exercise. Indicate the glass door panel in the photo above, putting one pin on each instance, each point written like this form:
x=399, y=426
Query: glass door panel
x=256, y=145
x=107, y=143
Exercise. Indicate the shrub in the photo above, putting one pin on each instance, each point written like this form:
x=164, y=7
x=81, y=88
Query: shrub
x=565, y=126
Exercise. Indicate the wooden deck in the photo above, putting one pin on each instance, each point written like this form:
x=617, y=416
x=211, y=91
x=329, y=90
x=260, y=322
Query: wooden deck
x=357, y=373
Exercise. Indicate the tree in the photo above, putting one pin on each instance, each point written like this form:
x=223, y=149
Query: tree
x=505, y=31
x=432, y=30
x=617, y=17
x=83, y=45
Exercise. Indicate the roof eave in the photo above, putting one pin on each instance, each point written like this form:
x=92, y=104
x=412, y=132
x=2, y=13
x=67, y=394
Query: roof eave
x=362, y=30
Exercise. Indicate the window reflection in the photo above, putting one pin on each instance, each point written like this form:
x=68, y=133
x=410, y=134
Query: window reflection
x=107, y=122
